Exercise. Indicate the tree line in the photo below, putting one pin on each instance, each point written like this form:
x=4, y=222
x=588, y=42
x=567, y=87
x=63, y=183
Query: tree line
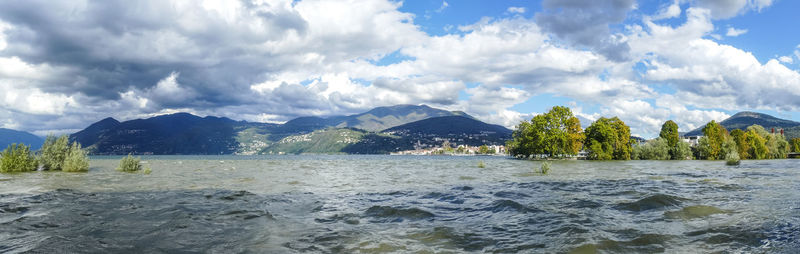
x=55, y=154
x=558, y=134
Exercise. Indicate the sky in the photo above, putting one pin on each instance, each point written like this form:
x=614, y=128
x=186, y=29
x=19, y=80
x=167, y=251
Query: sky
x=65, y=64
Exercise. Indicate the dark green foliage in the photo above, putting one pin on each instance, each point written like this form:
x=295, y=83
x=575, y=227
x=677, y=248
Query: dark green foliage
x=669, y=132
x=607, y=139
x=796, y=145
x=677, y=150
x=17, y=158
x=556, y=133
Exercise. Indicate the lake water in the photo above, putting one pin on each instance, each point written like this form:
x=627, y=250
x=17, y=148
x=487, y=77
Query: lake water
x=378, y=204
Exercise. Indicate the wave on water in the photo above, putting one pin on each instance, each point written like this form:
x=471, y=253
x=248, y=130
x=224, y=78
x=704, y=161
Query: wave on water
x=657, y=201
x=630, y=215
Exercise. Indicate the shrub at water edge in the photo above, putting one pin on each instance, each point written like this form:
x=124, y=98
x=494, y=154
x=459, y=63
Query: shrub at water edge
x=53, y=152
x=545, y=168
x=77, y=160
x=732, y=158
x=17, y=158
x=129, y=164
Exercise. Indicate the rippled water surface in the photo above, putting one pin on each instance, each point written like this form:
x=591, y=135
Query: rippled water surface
x=378, y=204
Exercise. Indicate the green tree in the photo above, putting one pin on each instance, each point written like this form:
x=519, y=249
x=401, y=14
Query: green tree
x=742, y=147
x=669, y=132
x=483, y=149
x=778, y=146
x=703, y=148
x=759, y=130
x=682, y=152
x=53, y=152
x=677, y=150
x=758, y=148
x=77, y=160
x=555, y=134
x=654, y=149
x=729, y=149
x=716, y=135
x=608, y=138
x=17, y=158
x=796, y=145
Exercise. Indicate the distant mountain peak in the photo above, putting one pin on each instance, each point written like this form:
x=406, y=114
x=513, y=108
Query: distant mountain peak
x=744, y=119
x=752, y=114
x=108, y=120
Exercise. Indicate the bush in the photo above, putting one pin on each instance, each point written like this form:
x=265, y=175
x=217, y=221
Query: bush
x=655, y=149
x=481, y=164
x=76, y=160
x=545, y=168
x=129, y=164
x=53, y=153
x=17, y=158
x=732, y=158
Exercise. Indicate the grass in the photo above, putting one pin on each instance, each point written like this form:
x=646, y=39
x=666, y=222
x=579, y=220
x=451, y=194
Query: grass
x=17, y=158
x=130, y=164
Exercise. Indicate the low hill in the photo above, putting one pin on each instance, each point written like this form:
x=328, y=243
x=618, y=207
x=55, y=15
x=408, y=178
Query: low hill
x=744, y=119
x=9, y=136
x=459, y=129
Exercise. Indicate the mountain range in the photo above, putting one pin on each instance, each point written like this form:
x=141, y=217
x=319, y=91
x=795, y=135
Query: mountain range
x=9, y=136
x=380, y=130
x=744, y=119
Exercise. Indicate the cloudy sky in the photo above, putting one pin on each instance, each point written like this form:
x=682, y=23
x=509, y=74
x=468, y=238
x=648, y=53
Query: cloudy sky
x=66, y=64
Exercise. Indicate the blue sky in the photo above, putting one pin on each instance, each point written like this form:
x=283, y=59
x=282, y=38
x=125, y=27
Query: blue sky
x=66, y=64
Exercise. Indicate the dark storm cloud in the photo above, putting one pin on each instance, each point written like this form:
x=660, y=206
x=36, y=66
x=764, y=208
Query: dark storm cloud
x=586, y=23
x=109, y=47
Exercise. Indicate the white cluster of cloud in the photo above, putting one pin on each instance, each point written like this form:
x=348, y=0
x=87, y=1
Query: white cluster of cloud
x=65, y=64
